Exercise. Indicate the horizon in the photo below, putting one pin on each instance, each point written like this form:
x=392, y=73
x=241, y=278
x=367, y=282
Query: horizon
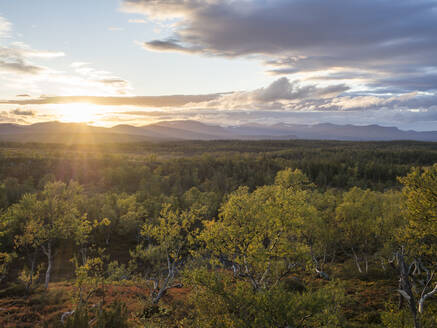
x=219, y=62
x=88, y=124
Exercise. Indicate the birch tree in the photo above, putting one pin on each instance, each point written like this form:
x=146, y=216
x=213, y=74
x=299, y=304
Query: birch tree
x=258, y=233
x=416, y=260
x=364, y=224
x=52, y=216
x=18, y=222
x=168, y=244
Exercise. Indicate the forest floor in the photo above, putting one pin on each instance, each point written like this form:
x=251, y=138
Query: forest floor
x=43, y=308
x=367, y=296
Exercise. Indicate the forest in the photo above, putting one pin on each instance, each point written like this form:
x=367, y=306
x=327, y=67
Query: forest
x=217, y=234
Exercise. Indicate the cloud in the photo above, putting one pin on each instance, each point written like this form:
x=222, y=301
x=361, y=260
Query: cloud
x=103, y=78
x=27, y=51
x=415, y=81
x=115, y=82
x=163, y=9
x=152, y=101
x=168, y=45
x=5, y=27
x=79, y=64
x=18, y=60
x=83, y=80
x=22, y=112
x=283, y=89
x=280, y=101
x=15, y=59
x=137, y=21
x=115, y=29
x=384, y=38
x=278, y=95
x=281, y=94
x=19, y=66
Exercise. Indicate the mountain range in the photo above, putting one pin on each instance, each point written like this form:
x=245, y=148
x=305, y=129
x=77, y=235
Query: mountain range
x=75, y=133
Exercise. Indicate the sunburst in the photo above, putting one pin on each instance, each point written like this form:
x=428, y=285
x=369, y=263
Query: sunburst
x=78, y=113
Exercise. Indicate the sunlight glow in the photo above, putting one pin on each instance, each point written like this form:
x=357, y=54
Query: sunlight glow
x=78, y=113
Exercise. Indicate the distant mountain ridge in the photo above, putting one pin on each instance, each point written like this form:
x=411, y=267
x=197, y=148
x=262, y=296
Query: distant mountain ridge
x=57, y=132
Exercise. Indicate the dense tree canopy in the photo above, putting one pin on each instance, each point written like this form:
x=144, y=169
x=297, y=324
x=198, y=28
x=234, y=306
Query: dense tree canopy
x=225, y=234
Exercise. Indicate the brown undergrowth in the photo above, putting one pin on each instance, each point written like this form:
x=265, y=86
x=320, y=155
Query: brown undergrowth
x=367, y=295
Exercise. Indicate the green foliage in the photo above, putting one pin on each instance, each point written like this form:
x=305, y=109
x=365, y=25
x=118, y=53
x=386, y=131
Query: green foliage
x=420, y=210
x=48, y=216
x=367, y=220
x=117, y=272
x=11, y=190
x=175, y=232
x=320, y=232
x=393, y=317
x=220, y=301
x=293, y=179
x=418, y=246
x=148, y=261
x=30, y=277
x=203, y=203
x=120, y=215
x=115, y=316
x=5, y=261
x=90, y=277
x=259, y=232
x=45, y=219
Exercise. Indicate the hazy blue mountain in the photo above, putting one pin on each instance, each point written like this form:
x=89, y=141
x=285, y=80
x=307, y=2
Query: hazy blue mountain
x=58, y=132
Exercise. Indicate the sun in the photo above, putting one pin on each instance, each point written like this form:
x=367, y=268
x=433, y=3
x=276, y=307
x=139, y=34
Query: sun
x=78, y=113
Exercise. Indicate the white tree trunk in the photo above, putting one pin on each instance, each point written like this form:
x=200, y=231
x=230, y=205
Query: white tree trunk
x=405, y=289
x=357, y=262
x=171, y=267
x=48, y=252
x=424, y=297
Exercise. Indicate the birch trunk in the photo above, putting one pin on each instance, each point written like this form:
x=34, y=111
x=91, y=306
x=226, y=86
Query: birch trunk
x=48, y=252
x=170, y=276
x=357, y=262
x=406, y=290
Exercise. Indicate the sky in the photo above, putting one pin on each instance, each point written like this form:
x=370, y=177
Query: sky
x=227, y=62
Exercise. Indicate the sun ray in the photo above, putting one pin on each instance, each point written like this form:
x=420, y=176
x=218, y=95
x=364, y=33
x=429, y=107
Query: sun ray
x=78, y=113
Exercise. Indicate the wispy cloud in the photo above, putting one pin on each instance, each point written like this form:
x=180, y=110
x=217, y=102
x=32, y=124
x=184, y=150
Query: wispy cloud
x=16, y=58
x=151, y=101
x=101, y=77
x=115, y=29
x=22, y=112
x=5, y=27
x=137, y=21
